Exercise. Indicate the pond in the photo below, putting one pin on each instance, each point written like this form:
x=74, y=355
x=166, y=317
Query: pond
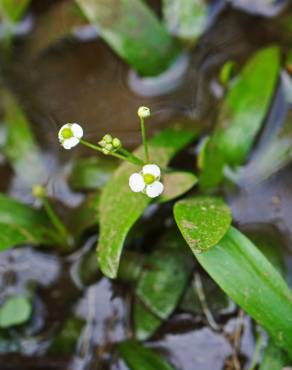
x=156, y=306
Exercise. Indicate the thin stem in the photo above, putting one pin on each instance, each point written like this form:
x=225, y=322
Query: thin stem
x=202, y=298
x=144, y=140
x=128, y=154
x=117, y=155
x=59, y=226
x=256, y=354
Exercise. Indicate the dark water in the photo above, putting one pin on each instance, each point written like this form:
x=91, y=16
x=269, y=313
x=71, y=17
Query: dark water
x=84, y=81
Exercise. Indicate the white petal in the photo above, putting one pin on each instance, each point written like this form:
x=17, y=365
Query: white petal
x=77, y=130
x=151, y=169
x=136, y=182
x=70, y=143
x=61, y=129
x=155, y=189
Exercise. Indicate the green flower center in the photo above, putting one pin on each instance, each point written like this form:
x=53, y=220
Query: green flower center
x=66, y=133
x=148, y=178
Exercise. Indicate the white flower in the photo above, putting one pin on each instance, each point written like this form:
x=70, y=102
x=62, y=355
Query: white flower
x=147, y=181
x=143, y=112
x=70, y=135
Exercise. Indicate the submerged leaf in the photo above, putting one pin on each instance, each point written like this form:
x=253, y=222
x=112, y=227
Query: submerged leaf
x=20, y=224
x=145, y=322
x=134, y=32
x=185, y=19
x=120, y=208
x=138, y=357
x=20, y=148
x=15, y=311
x=242, y=114
x=203, y=221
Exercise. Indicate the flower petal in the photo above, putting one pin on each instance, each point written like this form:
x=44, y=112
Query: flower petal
x=136, y=182
x=77, y=130
x=155, y=189
x=151, y=169
x=70, y=143
x=60, y=137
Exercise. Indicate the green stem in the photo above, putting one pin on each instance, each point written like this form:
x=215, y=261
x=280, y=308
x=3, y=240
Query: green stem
x=128, y=154
x=256, y=354
x=117, y=155
x=59, y=226
x=144, y=140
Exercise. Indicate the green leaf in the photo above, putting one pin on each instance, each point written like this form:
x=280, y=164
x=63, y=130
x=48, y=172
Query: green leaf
x=163, y=281
x=203, y=221
x=15, y=311
x=133, y=31
x=138, y=357
x=145, y=322
x=244, y=273
x=120, y=208
x=274, y=358
x=176, y=184
x=14, y=9
x=20, y=224
x=20, y=148
x=91, y=173
x=242, y=114
x=185, y=19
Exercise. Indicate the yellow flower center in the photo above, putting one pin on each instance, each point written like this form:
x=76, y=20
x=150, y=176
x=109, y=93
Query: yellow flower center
x=66, y=133
x=148, y=178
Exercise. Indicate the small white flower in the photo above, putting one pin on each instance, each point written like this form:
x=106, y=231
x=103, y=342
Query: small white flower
x=143, y=112
x=147, y=181
x=70, y=135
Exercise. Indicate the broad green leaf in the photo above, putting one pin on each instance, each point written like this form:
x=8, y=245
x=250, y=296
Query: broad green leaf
x=91, y=173
x=244, y=273
x=242, y=114
x=185, y=19
x=203, y=221
x=15, y=311
x=21, y=149
x=20, y=224
x=138, y=357
x=163, y=281
x=145, y=322
x=274, y=358
x=13, y=9
x=133, y=31
x=120, y=208
x=176, y=184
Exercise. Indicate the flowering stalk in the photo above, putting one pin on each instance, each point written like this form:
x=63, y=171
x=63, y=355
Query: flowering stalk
x=40, y=193
x=144, y=112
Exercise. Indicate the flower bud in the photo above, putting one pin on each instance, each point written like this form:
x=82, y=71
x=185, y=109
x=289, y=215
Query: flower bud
x=143, y=112
x=38, y=191
x=117, y=143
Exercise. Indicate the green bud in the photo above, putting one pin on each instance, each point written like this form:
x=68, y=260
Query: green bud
x=105, y=151
x=108, y=139
x=102, y=143
x=38, y=191
x=109, y=147
x=117, y=143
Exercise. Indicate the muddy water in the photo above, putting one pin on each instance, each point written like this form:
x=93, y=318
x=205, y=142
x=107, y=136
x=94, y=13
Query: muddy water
x=84, y=81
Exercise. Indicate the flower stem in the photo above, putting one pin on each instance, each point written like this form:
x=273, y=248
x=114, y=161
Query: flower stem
x=59, y=226
x=144, y=140
x=128, y=154
x=117, y=155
